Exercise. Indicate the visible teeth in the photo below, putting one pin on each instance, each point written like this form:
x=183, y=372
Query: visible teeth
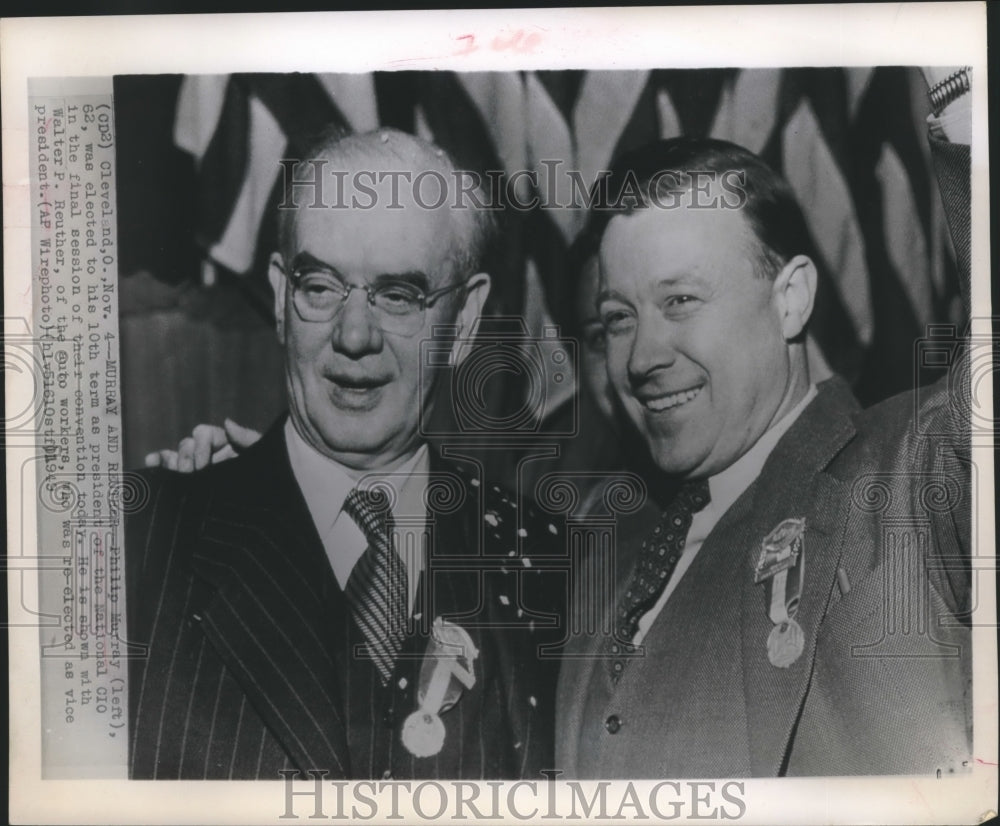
x=674, y=399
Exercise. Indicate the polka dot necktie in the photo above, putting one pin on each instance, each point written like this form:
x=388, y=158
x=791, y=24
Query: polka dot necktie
x=658, y=557
x=377, y=587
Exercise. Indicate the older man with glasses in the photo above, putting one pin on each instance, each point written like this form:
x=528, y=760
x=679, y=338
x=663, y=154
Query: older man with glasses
x=311, y=604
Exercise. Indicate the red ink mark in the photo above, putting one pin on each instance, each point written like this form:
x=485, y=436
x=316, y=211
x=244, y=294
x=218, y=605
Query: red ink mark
x=982, y=762
x=469, y=46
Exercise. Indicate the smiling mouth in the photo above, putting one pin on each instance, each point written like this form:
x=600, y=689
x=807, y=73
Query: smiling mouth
x=355, y=393
x=359, y=384
x=660, y=404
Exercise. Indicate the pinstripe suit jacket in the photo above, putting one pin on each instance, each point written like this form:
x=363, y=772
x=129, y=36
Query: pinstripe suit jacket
x=249, y=668
x=883, y=684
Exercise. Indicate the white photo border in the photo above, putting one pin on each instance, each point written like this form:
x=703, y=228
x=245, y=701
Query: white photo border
x=744, y=36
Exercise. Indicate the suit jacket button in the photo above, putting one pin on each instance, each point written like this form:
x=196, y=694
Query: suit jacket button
x=613, y=724
x=387, y=775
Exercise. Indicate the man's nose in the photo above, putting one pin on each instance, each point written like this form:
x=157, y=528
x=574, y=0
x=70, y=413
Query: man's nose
x=653, y=347
x=355, y=330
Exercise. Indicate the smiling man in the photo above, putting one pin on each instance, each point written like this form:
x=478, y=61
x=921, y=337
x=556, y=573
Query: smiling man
x=699, y=398
x=308, y=605
x=801, y=607
x=388, y=271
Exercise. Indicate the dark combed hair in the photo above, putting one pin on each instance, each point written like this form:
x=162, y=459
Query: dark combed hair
x=640, y=178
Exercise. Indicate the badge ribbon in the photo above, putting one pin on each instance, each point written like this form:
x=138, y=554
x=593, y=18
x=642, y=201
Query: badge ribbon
x=781, y=568
x=447, y=668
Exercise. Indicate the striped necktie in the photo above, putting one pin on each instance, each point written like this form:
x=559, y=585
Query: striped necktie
x=378, y=586
x=658, y=557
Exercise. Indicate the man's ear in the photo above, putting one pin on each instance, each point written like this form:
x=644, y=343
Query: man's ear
x=476, y=292
x=276, y=275
x=793, y=294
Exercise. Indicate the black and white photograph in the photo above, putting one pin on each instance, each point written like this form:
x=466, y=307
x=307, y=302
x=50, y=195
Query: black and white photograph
x=476, y=429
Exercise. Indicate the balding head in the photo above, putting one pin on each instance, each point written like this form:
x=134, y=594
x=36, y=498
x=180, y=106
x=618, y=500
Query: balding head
x=389, y=169
x=384, y=259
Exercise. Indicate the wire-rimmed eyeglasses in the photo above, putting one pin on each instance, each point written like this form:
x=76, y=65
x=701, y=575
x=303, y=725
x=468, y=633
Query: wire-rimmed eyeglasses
x=397, y=306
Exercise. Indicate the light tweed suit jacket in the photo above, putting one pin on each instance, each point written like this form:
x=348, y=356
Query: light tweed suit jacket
x=883, y=684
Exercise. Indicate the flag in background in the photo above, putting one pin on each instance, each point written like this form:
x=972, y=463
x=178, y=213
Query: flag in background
x=850, y=141
x=198, y=179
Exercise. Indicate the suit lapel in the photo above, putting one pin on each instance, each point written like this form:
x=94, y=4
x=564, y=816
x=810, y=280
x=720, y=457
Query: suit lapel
x=585, y=667
x=449, y=586
x=449, y=589
x=269, y=607
x=793, y=484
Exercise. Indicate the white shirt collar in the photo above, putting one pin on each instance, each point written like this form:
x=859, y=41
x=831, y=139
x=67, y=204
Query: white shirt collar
x=325, y=485
x=727, y=485
x=725, y=488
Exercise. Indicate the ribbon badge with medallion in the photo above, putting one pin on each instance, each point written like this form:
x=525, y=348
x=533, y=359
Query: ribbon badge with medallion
x=446, y=671
x=781, y=566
